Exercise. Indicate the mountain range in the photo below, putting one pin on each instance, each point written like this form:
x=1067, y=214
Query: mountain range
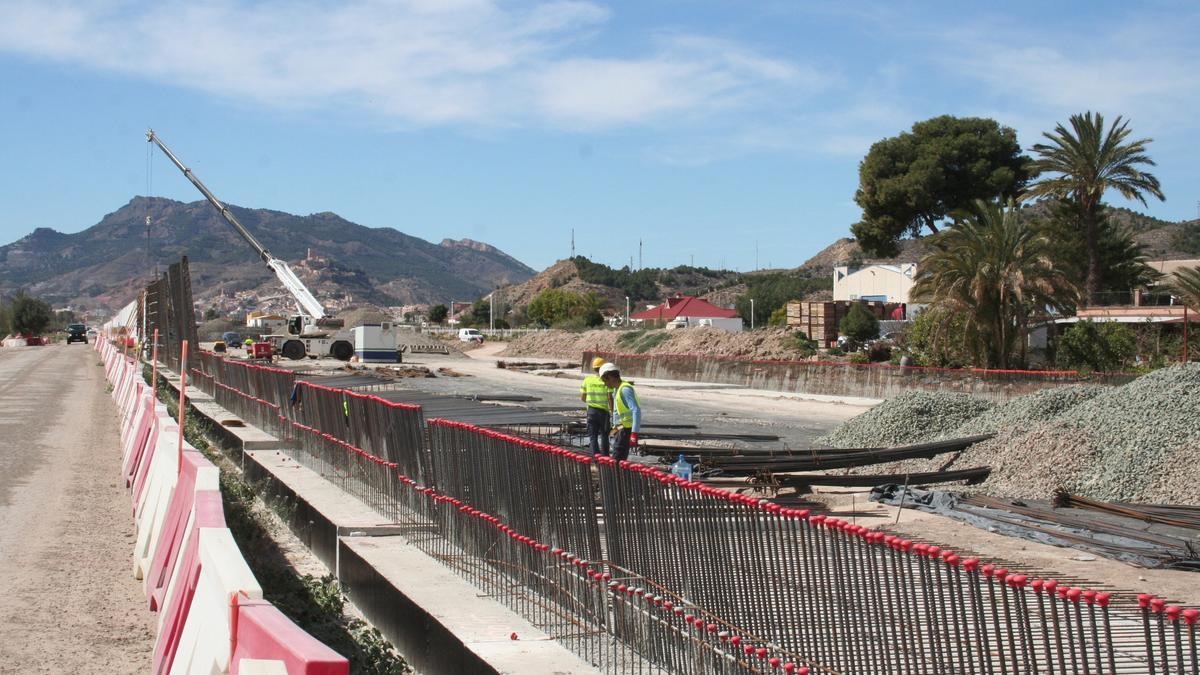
x=343, y=262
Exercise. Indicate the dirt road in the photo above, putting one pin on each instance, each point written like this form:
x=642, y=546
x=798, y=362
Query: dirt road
x=68, y=599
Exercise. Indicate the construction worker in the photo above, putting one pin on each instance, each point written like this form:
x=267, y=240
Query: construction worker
x=627, y=411
x=249, y=345
x=598, y=398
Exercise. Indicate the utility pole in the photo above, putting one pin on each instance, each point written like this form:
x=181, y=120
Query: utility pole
x=639, y=254
x=492, y=311
x=751, y=313
x=627, y=312
x=572, y=242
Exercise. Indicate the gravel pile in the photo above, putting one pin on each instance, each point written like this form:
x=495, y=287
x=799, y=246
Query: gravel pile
x=911, y=417
x=1030, y=462
x=1138, y=429
x=1138, y=442
x=1036, y=407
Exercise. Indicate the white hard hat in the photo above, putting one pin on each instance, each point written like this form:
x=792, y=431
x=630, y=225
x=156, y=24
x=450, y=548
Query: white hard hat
x=609, y=368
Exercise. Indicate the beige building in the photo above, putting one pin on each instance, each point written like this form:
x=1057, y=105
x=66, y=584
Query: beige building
x=882, y=283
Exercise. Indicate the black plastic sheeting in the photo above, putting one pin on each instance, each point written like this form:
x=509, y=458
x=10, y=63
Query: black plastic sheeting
x=1107, y=535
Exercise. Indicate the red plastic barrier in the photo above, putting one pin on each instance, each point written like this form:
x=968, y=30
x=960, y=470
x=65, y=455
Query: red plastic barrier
x=170, y=538
x=145, y=459
x=146, y=429
x=263, y=632
x=208, y=513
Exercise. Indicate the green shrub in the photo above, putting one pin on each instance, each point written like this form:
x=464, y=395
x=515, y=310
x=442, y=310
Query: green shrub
x=859, y=324
x=778, y=318
x=1104, y=347
x=938, y=338
x=802, y=344
x=859, y=358
x=836, y=351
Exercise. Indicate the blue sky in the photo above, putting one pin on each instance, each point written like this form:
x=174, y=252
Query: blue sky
x=706, y=129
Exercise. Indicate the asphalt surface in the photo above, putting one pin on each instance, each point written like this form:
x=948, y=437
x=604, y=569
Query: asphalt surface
x=711, y=408
x=68, y=599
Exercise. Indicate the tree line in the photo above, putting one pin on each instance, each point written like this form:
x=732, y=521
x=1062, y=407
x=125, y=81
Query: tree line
x=996, y=266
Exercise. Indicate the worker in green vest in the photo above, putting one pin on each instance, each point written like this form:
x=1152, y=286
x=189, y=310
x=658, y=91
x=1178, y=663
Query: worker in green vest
x=598, y=398
x=249, y=345
x=627, y=411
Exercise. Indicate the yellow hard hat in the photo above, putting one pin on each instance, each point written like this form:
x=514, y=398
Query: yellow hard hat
x=597, y=362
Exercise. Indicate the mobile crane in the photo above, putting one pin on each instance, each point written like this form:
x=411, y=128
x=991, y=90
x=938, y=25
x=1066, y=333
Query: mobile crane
x=312, y=332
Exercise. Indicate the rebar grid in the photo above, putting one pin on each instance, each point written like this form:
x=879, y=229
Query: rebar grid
x=638, y=571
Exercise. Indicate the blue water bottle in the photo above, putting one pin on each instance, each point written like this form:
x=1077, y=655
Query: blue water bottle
x=681, y=468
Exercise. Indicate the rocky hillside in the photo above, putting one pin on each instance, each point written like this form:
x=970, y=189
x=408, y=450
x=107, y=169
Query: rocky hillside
x=104, y=264
x=646, y=286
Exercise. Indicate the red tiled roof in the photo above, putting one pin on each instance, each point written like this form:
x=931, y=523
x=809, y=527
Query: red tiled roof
x=685, y=306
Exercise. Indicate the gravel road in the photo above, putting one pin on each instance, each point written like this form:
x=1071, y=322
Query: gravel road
x=68, y=599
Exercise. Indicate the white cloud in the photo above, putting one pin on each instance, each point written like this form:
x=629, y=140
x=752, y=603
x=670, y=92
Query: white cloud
x=412, y=62
x=1143, y=69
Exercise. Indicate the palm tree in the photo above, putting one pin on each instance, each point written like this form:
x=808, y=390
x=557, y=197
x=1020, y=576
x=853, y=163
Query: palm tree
x=994, y=269
x=1186, y=284
x=1086, y=162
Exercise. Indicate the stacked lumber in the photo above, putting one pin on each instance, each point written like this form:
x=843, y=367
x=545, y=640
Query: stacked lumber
x=820, y=320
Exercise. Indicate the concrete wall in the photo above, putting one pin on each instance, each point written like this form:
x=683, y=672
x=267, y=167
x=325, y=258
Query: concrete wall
x=837, y=379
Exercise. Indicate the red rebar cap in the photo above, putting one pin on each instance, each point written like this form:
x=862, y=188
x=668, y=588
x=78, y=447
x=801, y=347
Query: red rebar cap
x=933, y=551
x=1190, y=616
x=1063, y=590
x=748, y=650
x=712, y=627
x=1036, y=585
x=699, y=622
x=1050, y=585
x=760, y=652
x=971, y=564
x=1157, y=605
x=736, y=639
x=1073, y=595
x=1000, y=574
x=1172, y=612
x=906, y=544
x=775, y=661
x=1103, y=598
x=1089, y=596
x=987, y=570
x=789, y=667
x=1018, y=580
x=1144, y=600
x=802, y=671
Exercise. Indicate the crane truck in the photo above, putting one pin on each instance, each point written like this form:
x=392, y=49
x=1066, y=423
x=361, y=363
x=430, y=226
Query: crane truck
x=311, y=332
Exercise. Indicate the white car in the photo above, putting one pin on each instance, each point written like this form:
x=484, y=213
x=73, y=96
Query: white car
x=469, y=335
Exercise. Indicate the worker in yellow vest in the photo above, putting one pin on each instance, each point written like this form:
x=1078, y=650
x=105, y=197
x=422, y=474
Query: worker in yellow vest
x=598, y=398
x=627, y=411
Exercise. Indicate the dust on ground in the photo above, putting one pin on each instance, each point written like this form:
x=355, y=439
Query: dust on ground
x=68, y=599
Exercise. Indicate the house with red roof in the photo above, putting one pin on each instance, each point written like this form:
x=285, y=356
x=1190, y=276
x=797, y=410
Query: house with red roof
x=683, y=311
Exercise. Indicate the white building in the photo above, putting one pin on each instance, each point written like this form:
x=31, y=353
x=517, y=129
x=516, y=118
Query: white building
x=882, y=283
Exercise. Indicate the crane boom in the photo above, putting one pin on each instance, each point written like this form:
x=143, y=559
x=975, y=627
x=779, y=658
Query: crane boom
x=304, y=298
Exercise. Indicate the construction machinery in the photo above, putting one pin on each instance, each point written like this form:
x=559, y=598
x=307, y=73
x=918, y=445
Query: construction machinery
x=311, y=332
